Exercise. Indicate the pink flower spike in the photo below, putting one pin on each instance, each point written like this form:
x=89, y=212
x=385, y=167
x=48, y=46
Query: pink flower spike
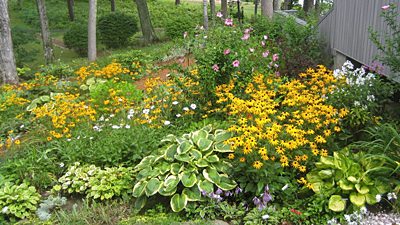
x=227, y=51
x=245, y=36
x=385, y=7
x=251, y=50
x=262, y=43
x=265, y=37
x=236, y=63
x=265, y=54
x=215, y=67
x=275, y=57
x=219, y=15
x=228, y=22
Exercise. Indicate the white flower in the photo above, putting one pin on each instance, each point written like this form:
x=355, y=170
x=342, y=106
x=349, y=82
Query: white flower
x=185, y=109
x=175, y=103
x=22, y=126
x=69, y=139
x=378, y=198
x=363, y=210
x=131, y=111
x=285, y=187
x=146, y=111
x=178, y=115
x=129, y=117
x=152, y=107
x=391, y=196
x=371, y=98
x=79, y=137
x=265, y=217
x=127, y=126
x=193, y=106
x=101, y=118
x=91, y=138
x=357, y=103
x=115, y=127
x=166, y=123
x=62, y=165
x=112, y=115
x=4, y=210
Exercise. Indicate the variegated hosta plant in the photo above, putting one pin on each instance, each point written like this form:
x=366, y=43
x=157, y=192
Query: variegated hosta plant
x=185, y=167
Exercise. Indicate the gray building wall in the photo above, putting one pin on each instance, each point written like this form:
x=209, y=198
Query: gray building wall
x=345, y=28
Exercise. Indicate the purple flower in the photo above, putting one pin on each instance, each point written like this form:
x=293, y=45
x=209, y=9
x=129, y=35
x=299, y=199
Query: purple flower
x=266, y=197
x=227, y=51
x=275, y=57
x=266, y=188
x=385, y=7
x=228, y=22
x=218, y=191
x=256, y=201
x=265, y=54
x=236, y=63
x=251, y=50
x=245, y=36
x=238, y=190
x=277, y=74
x=228, y=193
x=219, y=15
x=215, y=67
x=203, y=192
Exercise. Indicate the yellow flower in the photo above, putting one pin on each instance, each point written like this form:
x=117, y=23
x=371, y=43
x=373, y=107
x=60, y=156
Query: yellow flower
x=49, y=138
x=231, y=156
x=17, y=142
x=242, y=159
x=257, y=164
x=320, y=139
x=302, y=169
x=324, y=152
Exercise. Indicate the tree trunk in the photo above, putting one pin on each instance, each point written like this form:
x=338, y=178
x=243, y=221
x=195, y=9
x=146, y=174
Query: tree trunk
x=308, y=5
x=8, y=70
x=145, y=21
x=44, y=26
x=317, y=6
x=287, y=4
x=92, y=52
x=212, y=8
x=256, y=2
x=277, y=4
x=71, y=14
x=267, y=8
x=205, y=15
x=224, y=8
x=112, y=5
x=177, y=2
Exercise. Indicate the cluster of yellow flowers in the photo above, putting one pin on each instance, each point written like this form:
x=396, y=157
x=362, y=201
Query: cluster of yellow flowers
x=10, y=100
x=285, y=121
x=65, y=112
x=112, y=70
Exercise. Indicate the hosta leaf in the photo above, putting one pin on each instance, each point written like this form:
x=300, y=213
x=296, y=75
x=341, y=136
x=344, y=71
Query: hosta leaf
x=195, y=154
x=204, y=144
x=207, y=128
x=170, y=152
x=212, y=159
x=193, y=194
x=184, y=147
x=45, y=98
x=221, y=147
x=153, y=186
x=196, y=135
x=336, y=203
x=146, y=161
x=175, y=167
x=178, y=202
x=221, y=136
x=352, y=179
x=328, y=162
x=140, y=202
x=138, y=189
x=169, y=138
x=362, y=189
x=206, y=186
x=370, y=199
x=212, y=175
x=201, y=163
x=346, y=185
x=167, y=192
x=188, y=179
x=226, y=184
x=91, y=81
x=357, y=199
x=325, y=174
x=171, y=182
x=184, y=158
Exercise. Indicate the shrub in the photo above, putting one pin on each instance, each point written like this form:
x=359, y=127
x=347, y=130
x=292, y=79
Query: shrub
x=20, y=37
x=76, y=38
x=176, y=26
x=116, y=28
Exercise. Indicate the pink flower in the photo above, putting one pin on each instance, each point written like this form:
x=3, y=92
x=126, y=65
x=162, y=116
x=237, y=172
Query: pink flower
x=185, y=34
x=219, y=15
x=245, y=36
x=275, y=57
x=236, y=63
x=227, y=51
x=265, y=37
x=215, y=67
x=262, y=43
x=251, y=50
x=265, y=54
x=385, y=7
x=248, y=30
x=228, y=22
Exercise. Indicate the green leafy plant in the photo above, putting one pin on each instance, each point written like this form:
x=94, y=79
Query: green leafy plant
x=116, y=28
x=185, y=167
x=76, y=38
x=18, y=201
x=358, y=176
x=47, y=205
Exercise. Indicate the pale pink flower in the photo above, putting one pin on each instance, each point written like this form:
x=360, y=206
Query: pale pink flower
x=215, y=67
x=275, y=57
x=265, y=37
x=236, y=63
x=265, y=54
x=228, y=22
x=227, y=51
x=385, y=7
x=251, y=50
x=262, y=43
x=248, y=30
x=219, y=15
x=245, y=36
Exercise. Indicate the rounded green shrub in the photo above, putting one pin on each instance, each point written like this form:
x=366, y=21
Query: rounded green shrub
x=76, y=38
x=116, y=28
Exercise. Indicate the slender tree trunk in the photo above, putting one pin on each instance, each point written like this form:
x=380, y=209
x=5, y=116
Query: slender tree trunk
x=71, y=13
x=92, y=52
x=267, y=8
x=224, y=8
x=177, y=2
x=277, y=4
x=317, y=6
x=308, y=5
x=8, y=70
x=44, y=25
x=145, y=21
x=212, y=8
x=205, y=15
x=112, y=5
x=256, y=2
x=287, y=4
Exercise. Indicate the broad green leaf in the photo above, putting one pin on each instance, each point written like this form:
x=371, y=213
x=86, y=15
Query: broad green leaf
x=362, y=189
x=169, y=138
x=153, y=186
x=171, y=182
x=175, y=167
x=336, y=203
x=139, y=188
x=212, y=159
x=146, y=161
x=328, y=162
x=184, y=147
x=324, y=174
x=196, y=135
x=201, y=163
x=188, y=179
x=164, y=167
x=31, y=107
x=167, y=192
x=212, y=175
x=184, y=158
x=91, y=81
x=195, y=154
x=221, y=136
x=346, y=185
x=205, y=185
x=352, y=179
x=178, y=202
x=221, y=147
x=204, y=144
x=207, y=128
x=45, y=98
x=170, y=152
x=371, y=199
x=226, y=184
x=357, y=199
x=193, y=194
x=140, y=202
x=84, y=87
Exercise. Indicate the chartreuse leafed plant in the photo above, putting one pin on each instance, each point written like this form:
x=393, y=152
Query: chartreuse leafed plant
x=185, y=167
x=18, y=201
x=289, y=122
x=359, y=177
